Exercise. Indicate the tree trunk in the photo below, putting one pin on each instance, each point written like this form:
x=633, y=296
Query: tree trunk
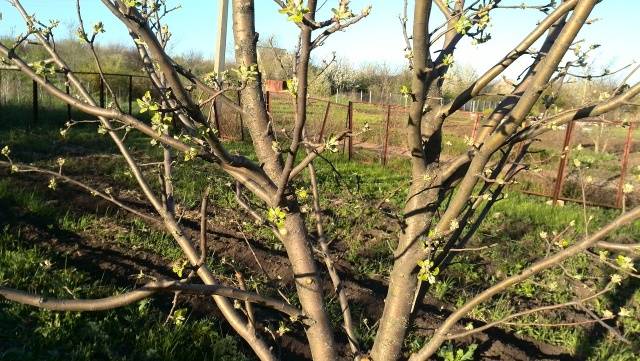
x=309, y=288
x=404, y=278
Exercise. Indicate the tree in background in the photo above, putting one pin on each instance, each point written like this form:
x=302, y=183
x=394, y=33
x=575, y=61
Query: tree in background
x=458, y=78
x=342, y=76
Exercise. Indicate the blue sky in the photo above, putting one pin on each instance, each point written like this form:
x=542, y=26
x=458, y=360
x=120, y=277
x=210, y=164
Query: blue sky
x=377, y=39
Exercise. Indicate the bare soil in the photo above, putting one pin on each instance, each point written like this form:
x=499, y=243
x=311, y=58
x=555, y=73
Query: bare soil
x=105, y=259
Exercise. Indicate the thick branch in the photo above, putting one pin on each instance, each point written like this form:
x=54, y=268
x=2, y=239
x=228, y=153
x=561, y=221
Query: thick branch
x=141, y=293
x=547, y=67
x=521, y=49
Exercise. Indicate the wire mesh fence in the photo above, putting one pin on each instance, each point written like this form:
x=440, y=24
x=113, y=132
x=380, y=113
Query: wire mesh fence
x=593, y=161
x=21, y=95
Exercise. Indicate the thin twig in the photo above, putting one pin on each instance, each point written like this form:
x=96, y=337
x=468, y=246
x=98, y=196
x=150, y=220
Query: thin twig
x=203, y=226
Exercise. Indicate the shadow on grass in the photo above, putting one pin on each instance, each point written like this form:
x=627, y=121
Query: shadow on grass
x=594, y=345
x=40, y=254
x=41, y=140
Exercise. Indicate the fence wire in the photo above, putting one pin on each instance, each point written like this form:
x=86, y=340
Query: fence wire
x=596, y=161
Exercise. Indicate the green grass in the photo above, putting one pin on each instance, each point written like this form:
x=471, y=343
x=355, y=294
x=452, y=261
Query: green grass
x=135, y=332
x=367, y=236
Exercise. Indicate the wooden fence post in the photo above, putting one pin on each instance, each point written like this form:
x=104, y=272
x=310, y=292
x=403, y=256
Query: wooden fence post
x=624, y=166
x=385, y=148
x=557, y=189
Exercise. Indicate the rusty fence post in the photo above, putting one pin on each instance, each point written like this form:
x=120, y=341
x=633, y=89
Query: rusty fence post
x=68, y=91
x=350, y=127
x=557, y=189
x=624, y=166
x=102, y=97
x=324, y=121
x=476, y=124
x=385, y=147
x=130, y=93
x=268, y=100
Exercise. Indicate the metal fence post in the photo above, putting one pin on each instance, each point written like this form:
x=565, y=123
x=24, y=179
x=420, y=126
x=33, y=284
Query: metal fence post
x=130, y=93
x=557, y=189
x=102, y=99
x=324, y=121
x=350, y=127
x=385, y=148
x=476, y=124
x=68, y=91
x=624, y=166
x=268, y=100
x=34, y=101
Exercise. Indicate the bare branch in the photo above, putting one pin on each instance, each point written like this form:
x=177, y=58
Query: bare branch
x=528, y=312
x=23, y=168
x=203, y=226
x=146, y=291
x=546, y=263
x=620, y=247
x=333, y=273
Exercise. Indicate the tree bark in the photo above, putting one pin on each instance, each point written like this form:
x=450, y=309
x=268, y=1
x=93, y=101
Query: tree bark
x=252, y=99
x=403, y=282
x=309, y=289
x=295, y=239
